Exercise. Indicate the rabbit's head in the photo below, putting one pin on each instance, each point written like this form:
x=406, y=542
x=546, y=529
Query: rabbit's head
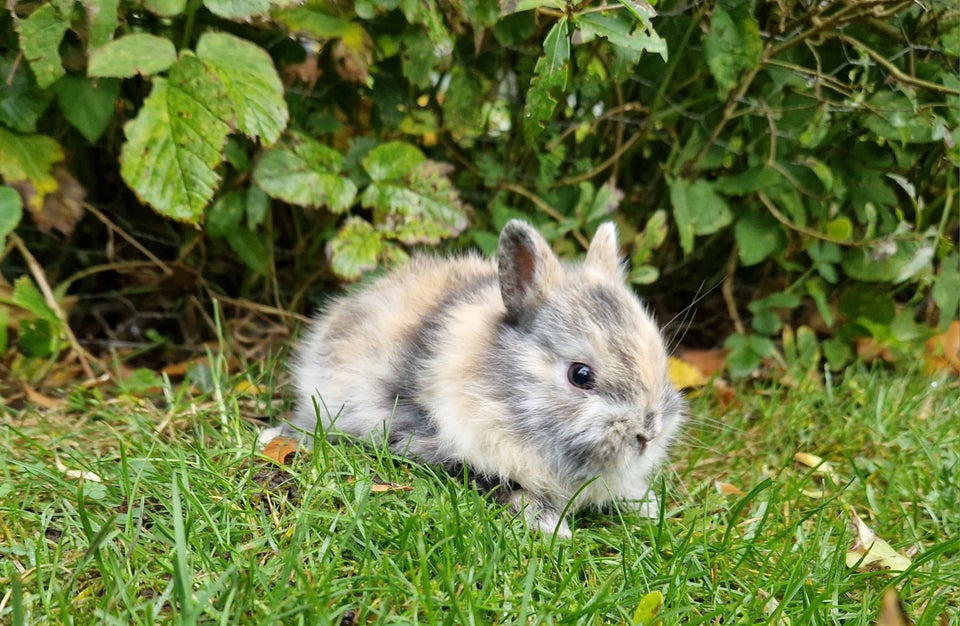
x=582, y=366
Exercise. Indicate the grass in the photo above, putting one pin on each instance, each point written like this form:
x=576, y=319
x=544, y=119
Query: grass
x=188, y=525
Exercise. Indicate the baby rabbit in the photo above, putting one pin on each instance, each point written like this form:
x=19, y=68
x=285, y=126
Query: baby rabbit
x=546, y=379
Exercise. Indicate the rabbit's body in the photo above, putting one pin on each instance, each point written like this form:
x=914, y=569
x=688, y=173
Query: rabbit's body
x=469, y=362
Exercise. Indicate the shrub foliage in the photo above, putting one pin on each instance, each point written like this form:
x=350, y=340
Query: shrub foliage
x=809, y=150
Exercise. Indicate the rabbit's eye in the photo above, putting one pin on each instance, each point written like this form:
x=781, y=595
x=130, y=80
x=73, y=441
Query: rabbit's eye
x=580, y=375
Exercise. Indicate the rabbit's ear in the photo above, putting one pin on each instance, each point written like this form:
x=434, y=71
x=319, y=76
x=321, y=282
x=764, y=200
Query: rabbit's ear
x=604, y=251
x=528, y=268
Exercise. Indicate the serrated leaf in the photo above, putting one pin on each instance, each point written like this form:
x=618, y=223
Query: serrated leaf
x=620, y=31
x=11, y=212
x=889, y=261
x=177, y=140
x=697, y=209
x=88, y=105
x=251, y=81
x=40, y=37
x=550, y=78
x=355, y=248
x=237, y=9
x=136, y=53
x=642, y=10
x=37, y=338
x=392, y=160
x=101, y=21
x=732, y=46
x=21, y=101
x=28, y=297
x=871, y=552
x=306, y=173
x=312, y=20
x=424, y=208
x=28, y=160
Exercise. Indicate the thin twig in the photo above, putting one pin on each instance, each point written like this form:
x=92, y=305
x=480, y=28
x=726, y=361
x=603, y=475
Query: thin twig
x=40, y=277
x=546, y=208
x=893, y=69
x=727, y=291
x=128, y=238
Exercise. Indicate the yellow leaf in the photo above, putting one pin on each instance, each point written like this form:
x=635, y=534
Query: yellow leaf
x=683, y=375
x=871, y=552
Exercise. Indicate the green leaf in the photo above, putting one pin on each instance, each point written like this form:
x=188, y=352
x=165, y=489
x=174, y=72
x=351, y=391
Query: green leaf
x=4, y=339
x=87, y=104
x=860, y=303
x=746, y=353
x=101, y=21
x=392, y=160
x=765, y=319
x=697, y=209
x=136, y=53
x=28, y=297
x=946, y=289
x=306, y=173
x=37, y=338
x=21, y=101
x=249, y=246
x=889, y=261
x=424, y=208
x=40, y=37
x=251, y=82
x=312, y=20
x=224, y=216
x=29, y=159
x=732, y=46
x=355, y=248
x=237, y=9
x=550, y=79
x=165, y=8
x=758, y=236
x=177, y=140
x=649, y=239
x=11, y=212
x=622, y=32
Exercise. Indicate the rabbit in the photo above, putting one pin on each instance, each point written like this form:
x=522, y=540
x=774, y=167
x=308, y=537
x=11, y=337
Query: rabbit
x=546, y=379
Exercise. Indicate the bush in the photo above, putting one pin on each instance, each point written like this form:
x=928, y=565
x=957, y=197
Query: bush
x=803, y=154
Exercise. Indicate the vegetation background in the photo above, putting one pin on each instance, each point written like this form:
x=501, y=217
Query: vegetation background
x=801, y=156
x=786, y=169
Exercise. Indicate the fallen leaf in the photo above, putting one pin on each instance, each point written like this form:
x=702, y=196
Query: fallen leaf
x=38, y=399
x=647, y=609
x=708, y=362
x=724, y=393
x=62, y=208
x=869, y=350
x=870, y=552
x=942, y=352
x=727, y=489
x=818, y=465
x=683, y=375
x=279, y=449
x=384, y=487
x=74, y=474
x=891, y=612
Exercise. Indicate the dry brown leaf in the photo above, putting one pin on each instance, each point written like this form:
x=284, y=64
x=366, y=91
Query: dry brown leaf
x=870, y=552
x=869, y=350
x=384, y=487
x=62, y=208
x=724, y=393
x=279, y=449
x=708, y=362
x=942, y=352
x=727, y=489
x=891, y=612
x=38, y=399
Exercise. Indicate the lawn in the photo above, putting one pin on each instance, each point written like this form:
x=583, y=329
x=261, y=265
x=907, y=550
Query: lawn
x=119, y=509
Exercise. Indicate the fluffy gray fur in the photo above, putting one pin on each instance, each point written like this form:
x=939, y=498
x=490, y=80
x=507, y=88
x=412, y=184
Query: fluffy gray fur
x=466, y=362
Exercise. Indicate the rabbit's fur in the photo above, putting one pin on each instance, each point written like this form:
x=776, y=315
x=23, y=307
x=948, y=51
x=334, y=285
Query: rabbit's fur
x=467, y=361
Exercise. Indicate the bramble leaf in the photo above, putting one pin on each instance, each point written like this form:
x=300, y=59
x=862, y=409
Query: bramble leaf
x=251, y=82
x=177, y=140
x=136, y=53
x=27, y=160
x=392, y=160
x=237, y=9
x=355, y=249
x=40, y=37
x=21, y=101
x=101, y=21
x=306, y=173
x=11, y=211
